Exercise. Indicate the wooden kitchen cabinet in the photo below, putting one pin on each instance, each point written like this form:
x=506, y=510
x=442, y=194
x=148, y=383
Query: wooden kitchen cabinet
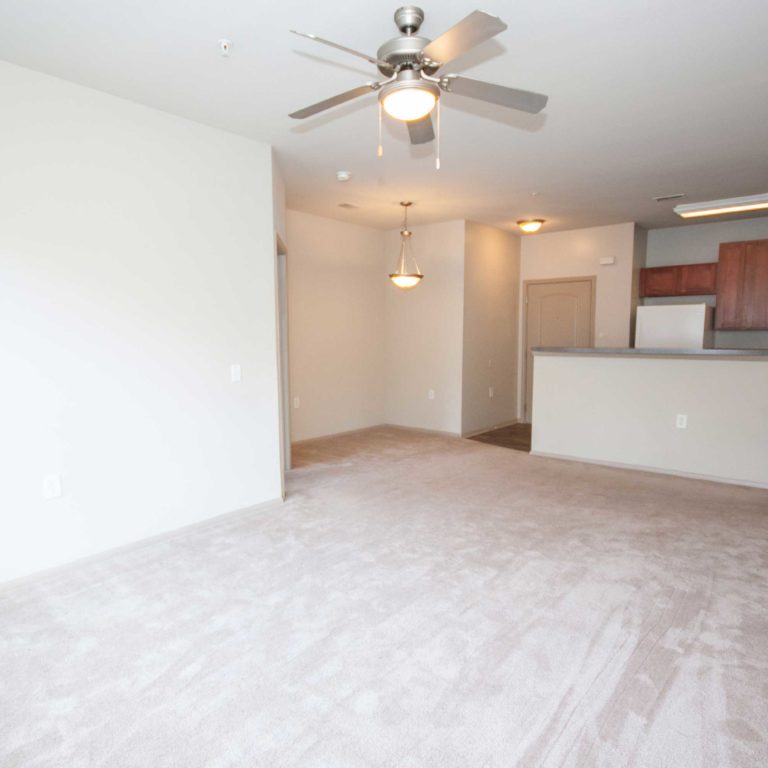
x=742, y=286
x=679, y=280
x=698, y=279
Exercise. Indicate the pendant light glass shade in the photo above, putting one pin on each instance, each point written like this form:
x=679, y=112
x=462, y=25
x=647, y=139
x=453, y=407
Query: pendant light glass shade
x=407, y=274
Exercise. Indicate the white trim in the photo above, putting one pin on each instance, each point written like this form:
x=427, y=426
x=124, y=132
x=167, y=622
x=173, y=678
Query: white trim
x=490, y=429
x=654, y=470
x=145, y=541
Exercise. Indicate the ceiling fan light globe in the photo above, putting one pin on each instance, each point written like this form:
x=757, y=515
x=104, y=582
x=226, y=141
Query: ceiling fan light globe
x=407, y=104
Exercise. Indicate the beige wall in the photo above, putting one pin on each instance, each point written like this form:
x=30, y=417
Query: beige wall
x=336, y=297
x=695, y=243
x=137, y=253
x=364, y=352
x=424, y=331
x=622, y=410
x=577, y=253
x=491, y=287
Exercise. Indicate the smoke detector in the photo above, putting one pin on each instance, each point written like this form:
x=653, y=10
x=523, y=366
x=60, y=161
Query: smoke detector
x=343, y=176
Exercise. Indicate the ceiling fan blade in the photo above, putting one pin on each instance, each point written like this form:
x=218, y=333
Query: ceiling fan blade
x=372, y=59
x=421, y=131
x=526, y=101
x=476, y=28
x=334, y=101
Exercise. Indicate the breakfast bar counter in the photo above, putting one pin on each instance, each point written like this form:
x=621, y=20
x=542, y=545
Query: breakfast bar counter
x=693, y=412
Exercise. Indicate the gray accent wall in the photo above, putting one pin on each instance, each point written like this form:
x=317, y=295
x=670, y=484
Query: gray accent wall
x=697, y=243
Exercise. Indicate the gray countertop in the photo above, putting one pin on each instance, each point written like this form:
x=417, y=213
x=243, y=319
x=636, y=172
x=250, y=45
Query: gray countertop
x=648, y=352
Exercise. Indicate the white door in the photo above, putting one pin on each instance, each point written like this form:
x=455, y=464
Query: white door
x=557, y=314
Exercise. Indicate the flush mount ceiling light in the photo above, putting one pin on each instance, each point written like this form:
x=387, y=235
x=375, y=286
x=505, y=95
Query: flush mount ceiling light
x=722, y=207
x=407, y=274
x=530, y=225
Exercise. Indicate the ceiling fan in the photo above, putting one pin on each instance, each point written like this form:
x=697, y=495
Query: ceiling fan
x=411, y=64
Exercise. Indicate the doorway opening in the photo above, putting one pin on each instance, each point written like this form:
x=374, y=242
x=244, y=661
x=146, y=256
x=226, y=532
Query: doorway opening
x=557, y=313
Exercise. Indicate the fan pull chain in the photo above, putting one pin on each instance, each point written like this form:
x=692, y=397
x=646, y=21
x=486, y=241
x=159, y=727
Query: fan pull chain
x=380, y=150
x=437, y=159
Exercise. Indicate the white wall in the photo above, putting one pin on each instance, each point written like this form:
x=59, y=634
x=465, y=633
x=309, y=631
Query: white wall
x=137, y=259
x=337, y=277
x=278, y=202
x=424, y=331
x=491, y=288
x=622, y=410
x=697, y=243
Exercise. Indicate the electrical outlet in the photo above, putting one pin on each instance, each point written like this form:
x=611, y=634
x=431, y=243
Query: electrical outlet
x=490, y=392
x=52, y=486
x=681, y=422
x=296, y=402
x=431, y=394
x=234, y=373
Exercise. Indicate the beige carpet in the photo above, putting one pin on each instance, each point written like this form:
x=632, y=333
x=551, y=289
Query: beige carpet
x=419, y=601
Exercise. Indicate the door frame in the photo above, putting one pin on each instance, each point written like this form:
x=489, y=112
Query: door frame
x=283, y=364
x=526, y=407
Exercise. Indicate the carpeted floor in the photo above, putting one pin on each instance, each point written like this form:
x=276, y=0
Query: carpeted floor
x=418, y=601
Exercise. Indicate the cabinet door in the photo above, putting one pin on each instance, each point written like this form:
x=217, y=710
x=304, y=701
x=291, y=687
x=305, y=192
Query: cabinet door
x=755, y=289
x=660, y=281
x=730, y=286
x=698, y=279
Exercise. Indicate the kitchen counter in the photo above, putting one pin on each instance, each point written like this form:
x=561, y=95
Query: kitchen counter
x=694, y=412
x=747, y=354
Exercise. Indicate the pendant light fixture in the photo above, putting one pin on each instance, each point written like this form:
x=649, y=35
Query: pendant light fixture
x=407, y=274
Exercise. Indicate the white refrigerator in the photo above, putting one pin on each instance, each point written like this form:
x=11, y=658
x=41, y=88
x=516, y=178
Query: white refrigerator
x=674, y=326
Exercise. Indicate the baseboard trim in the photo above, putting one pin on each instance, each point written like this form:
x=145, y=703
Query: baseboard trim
x=490, y=429
x=346, y=432
x=652, y=470
x=171, y=533
x=383, y=425
x=422, y=431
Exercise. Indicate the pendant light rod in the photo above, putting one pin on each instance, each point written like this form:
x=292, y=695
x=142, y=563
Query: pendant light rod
x=406, y=206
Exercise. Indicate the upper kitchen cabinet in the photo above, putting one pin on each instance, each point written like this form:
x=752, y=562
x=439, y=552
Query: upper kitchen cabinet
x=680, y=280
x=742, y=286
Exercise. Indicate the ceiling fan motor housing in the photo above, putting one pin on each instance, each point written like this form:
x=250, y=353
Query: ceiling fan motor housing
x=405, y=51
x=409, y=18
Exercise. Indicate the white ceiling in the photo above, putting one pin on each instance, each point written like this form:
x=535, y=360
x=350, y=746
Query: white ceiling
x=647, y=97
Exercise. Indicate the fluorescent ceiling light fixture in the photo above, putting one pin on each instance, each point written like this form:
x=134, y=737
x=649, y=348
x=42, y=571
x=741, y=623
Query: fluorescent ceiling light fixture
x=530, y=225
x=721, y=207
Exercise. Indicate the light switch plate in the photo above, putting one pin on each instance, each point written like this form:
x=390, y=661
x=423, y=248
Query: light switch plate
x=234, y=373
x=52, y=486
x=681, y=422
